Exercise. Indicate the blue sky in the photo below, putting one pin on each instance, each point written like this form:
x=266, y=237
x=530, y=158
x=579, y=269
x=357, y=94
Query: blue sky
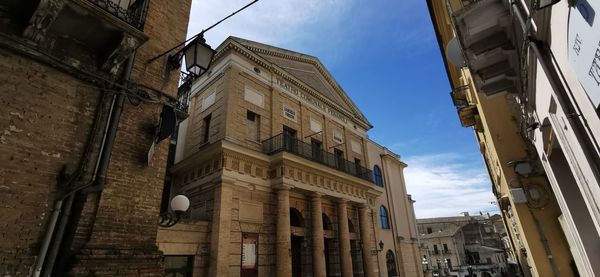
x=385, y=56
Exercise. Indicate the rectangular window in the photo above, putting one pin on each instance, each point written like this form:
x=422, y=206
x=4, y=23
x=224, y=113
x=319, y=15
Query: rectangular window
x=208, y=100
x=429, y=231
x=253, y=97
x=435, y=249
x=445, y=248
x=206, y=129
x=356, y=146
x=253, y=126
x=337, y=136
x=179, y=266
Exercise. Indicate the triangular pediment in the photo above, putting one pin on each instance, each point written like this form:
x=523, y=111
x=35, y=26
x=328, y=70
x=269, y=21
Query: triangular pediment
x=306, y=69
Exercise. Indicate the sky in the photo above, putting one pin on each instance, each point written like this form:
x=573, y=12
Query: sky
x=385, y=56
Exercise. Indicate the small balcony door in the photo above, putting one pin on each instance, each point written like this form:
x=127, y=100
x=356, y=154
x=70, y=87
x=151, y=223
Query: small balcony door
x=317, y=149
x=289, y=139
x=339, y=158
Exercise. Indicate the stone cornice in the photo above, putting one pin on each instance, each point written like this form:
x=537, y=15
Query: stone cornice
x=310, y=176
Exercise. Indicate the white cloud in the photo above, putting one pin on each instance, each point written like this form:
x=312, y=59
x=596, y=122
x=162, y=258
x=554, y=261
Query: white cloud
x=280, y=23
x=447, y=184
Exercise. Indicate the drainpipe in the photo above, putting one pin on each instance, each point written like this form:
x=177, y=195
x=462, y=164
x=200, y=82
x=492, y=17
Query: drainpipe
x=97, y=183
x=58, y=206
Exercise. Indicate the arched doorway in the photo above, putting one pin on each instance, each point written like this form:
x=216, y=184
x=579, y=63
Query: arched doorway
x=297, y=220
x=355, y=252
x=332, y=265
x=390, y=262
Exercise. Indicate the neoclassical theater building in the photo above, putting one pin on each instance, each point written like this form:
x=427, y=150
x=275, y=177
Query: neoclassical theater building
x=282, y=178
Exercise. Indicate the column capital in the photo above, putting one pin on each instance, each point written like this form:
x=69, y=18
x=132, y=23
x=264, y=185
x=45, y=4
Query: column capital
x=315, y=194
x=363, y=206
x=341, y=201
x=282, y=187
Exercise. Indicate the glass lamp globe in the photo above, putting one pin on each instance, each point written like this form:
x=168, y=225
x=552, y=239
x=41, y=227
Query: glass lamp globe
x=180, y=203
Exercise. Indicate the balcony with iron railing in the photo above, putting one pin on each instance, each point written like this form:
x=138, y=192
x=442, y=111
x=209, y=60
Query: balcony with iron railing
x=183, y=94
x=295, y=146
x=94, y=35
x=132, y=12
x=459, y=96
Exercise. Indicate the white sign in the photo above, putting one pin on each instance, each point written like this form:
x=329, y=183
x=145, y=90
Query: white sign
x=584, y=46
x=248, y=255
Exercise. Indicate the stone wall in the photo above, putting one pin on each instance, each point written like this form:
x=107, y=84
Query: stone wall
x=187, y=238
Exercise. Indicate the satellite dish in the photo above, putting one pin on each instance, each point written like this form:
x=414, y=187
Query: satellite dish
x=454, y=53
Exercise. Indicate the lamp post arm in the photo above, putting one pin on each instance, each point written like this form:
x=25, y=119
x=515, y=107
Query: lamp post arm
x=175, y=47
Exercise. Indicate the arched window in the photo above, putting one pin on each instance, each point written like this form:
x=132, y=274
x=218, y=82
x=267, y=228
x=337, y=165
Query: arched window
x=390, y=262
x=350, y=226
x=377, y=175
x=326, y=223
x=383, y=215
x=296, y=218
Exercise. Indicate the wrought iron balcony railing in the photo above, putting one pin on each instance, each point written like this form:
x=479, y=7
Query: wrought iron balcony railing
x=290, y=144
x=459, y=96
x=131, y=11
x=183, y=92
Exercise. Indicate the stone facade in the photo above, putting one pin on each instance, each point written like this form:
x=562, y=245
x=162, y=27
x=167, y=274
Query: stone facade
x=256, y=158
x=57, y=89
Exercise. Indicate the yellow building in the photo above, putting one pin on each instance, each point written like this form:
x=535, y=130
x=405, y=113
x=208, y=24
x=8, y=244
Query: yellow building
x=282, y=178
x=503, y=86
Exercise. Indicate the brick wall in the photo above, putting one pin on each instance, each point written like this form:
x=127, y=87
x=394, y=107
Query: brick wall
x=45, y=123
x=45, y=118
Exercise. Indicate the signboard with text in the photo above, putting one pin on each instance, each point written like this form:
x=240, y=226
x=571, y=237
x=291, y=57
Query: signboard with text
x=584, y=46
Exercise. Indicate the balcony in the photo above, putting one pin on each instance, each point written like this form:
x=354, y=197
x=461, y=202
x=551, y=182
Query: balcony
x=292, y=145
x=459, y=96
x=485, y=31
x=133, y=12
x=183, y=95
x=94, y=35
x=468, y=115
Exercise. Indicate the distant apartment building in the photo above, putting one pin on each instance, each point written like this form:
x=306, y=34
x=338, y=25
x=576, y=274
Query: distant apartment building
x=282, y=178
x=525, y=76
x=465, y=246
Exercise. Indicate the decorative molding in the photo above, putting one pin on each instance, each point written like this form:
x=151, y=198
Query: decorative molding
x=43, y=17
x=127, y=45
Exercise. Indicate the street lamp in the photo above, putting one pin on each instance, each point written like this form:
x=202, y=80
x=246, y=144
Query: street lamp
x=380, y=246
x=179, y=204
x=198, y=55
x=425, y=264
